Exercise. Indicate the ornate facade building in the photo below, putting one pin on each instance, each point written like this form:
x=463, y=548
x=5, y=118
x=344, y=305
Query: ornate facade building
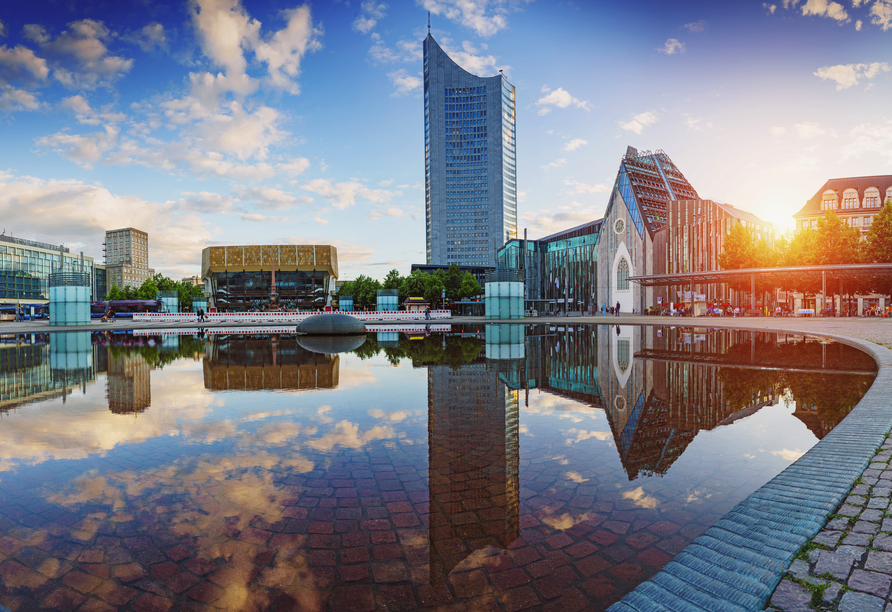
x=855, y=199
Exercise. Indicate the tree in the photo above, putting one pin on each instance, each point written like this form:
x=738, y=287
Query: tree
x=131, y=293
x=393, y=280
x=452, y=280
x=838, y=242
x=738, y=249
x=165, y=284
x=364, y=291
x=469, y=287
x=115, y=294
x=148, y=290
x=421, y=284
x=878, y=246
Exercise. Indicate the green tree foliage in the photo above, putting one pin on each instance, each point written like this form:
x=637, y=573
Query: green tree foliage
x=452, y=280
x=878, y=246
x=838, y=242
x=115, y=294
x=469, y=286
x=364, y=291
x=433, y=350
x=393, y=280
x=421, y=284
x=741, y=250
x=148, y=290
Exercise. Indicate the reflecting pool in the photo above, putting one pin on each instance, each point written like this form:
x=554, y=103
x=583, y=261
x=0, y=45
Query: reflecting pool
x=500, y=467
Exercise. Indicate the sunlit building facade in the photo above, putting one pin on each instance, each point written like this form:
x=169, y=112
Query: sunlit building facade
x=857, y=200
x=25, y=266
x=470, y=162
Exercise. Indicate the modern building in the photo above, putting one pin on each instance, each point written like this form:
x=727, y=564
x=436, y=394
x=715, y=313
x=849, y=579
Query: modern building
x=100, y=282
x=127, y=257
x=240, y=277
x=469, y=162
x=25, y=266
x=856, y=200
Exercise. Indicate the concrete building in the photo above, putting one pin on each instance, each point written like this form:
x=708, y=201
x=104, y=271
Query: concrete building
x=240, y=277
x=855, y=199
x=25, y=266
x=469, y=162
x=192, y=280
x=127, y=258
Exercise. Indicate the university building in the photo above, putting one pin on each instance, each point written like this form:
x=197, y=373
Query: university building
x=126, y=258
x=469, y=162
x=856, y=200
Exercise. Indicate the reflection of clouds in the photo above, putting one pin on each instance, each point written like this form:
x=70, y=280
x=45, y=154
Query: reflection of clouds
x=575, y=477
x=85, y=425
x=394, y=417
x=547, y=404
x=788, y=455
x=347, y=434
x=523, y=429
x=358, y=376
x=321, y=415
x=697, y=495
x=582, y=434
x=565, y=521
x=259, y=416
x=640, y=498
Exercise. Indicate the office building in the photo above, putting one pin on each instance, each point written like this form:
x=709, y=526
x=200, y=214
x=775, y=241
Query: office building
x=239, y=278
x=856, y=200
x=469, y=162
x=25, y=266
x=100, y=282
x=127, y=258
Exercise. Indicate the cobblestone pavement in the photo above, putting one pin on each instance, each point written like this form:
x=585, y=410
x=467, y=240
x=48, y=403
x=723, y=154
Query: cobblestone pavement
x=848, y=565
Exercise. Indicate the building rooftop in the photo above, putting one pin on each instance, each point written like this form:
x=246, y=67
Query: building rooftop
x=33, y=243
x=883, y=183
x=647, y=183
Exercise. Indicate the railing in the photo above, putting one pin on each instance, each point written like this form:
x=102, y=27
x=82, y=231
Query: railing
x=283, y=317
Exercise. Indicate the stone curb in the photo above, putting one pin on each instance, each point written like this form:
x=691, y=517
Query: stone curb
x=736, y=564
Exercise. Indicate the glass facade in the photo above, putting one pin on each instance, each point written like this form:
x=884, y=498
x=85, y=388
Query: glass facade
x=245, y=290
x=25, y=267
x=470, y=162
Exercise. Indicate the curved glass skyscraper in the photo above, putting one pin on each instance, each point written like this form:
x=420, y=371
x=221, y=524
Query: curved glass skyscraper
x=470, y=166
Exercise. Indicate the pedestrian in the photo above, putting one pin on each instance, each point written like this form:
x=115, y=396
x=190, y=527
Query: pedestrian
x=617, y=309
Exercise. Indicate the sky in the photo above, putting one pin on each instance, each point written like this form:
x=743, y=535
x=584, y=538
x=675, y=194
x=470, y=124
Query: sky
x=213, y=122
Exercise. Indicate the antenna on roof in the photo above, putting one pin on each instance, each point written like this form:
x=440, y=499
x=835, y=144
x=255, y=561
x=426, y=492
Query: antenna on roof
x=428, y=22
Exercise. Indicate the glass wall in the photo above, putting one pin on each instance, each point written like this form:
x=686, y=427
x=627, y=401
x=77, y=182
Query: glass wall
x=24, y=270
x=297, y=290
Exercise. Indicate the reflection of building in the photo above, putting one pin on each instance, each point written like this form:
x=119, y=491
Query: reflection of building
x=129, y=381
x=240, y=277
x=25, y=267
x=254, y=364
x=474, y=477
x=127, y=258
x=36, y=372
x=469, y=161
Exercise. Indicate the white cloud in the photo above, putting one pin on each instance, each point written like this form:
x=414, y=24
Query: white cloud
x=473, y=59
x=769, y=7
x=559, y=98
x=149, y=37
x=672, y=46
x=639, y=122
x=577, y=187
x=284, y=51
x=405, y=51
x=871, y=140
x=12, y=99
x=555, y=164
x=847, y=75
x=2, y=29
x=270, y=198
x=543, y=222
x=87, y=116
x=858, y=25
x=823, y=8
x=205, y=202
x=403, y=82
x=83, y=149
x=697, y=124
x=20, y=65
x=881, y=14
x=368, y=18
x=485, y=17
x=79, y=55
x=777, y=131
x=575, y=144
x=258, y=218
x=385, y=212
x=695, y=27
x=343, y=195
x=35, y=33
x=808, y=130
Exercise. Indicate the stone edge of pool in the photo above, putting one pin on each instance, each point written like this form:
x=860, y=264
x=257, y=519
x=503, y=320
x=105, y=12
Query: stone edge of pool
x=737, y=563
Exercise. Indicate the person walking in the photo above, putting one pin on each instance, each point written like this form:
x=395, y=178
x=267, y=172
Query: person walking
x=616, y=312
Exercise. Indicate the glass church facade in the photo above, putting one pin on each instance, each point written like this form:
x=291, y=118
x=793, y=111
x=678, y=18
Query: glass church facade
x=470, y=162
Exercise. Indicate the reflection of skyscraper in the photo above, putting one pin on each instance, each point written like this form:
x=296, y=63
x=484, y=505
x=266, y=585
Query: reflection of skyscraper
x=474, y=478
x=254, y=364
x=129, y=381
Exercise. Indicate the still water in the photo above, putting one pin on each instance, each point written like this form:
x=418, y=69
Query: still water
x=500, y=467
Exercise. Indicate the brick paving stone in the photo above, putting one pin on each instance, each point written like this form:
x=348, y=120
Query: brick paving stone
x=96, y=605
x=115, y=594
x=791, y=597
x=64, y=600
x=827, y=538
x=627, y=571
x=519, y=599
x=163, y=571
x=654, y=558
x=855, y=552
x=469, y=584
x=870, y=582
x=510, y=579
x=152, y=603
x=849, y=510
x=857, y=539
x=355, y=555
x=353, y=573
x=839, y=524
x=853, y=601
x=878, y=561
x=80, y=581
x=433, y=595
x=571, y=601
x=883, y=542
x=878, y=503
x=591, y=565
x=392, y=571
x=130, y=572
x=206, y=593
x=276, y=578
x=865, y=527
x=855, y=500
x=182, y=582
x=54, y=568
x=400, y=599
x=559, y=540
x=200, y=566
x=553, y=584
x=874, y=516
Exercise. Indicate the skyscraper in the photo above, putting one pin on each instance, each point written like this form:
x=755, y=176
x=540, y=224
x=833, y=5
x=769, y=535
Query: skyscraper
x=469, y=161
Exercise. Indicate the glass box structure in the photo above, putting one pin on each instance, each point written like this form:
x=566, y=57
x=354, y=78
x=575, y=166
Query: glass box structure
x=25, y=266
x=469, y=162
x=388, y=299
x=240, y=278
x=69, y=294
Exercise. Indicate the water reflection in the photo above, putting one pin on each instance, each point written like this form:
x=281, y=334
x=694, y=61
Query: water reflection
x=420, y=469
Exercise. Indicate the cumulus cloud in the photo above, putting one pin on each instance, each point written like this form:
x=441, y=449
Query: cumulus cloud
x=79, y=55
x=370, y=13
x=472, y=59
x=485, y=17
x=823, y=8
x=20, y=71
x=555, y=164
x=88, y=116
x=385, y=212
x=270, y=198
x=881, y=14
x=639, y=122
x=577, y=187
x=575, y=144
x=808, y=130
x=695, y=27
x=2, y=29
x=848, y=75
x=83, y=149
x=870, y=139
x=672, y=46
x=404, y=83
x=558, y=98
x=149, y=37
x=205, y=202
x=343, y=195
x=553, y=219
x=404, y=51
x=777, y=131
x=697, y=124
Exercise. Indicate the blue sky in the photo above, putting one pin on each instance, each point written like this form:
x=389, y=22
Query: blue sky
x=223, y=122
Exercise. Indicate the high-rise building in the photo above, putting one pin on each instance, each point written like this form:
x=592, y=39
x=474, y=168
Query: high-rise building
x=127, y=257
x=470, y=162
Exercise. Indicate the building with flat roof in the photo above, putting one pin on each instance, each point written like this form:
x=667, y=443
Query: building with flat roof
x=240, y=277
x=855, y=199
x=127, y=257
x=25, y=266
x=469, y=162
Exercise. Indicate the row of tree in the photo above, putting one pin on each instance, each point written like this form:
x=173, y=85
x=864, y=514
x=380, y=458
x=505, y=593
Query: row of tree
x=151, y=286
x=457, y=284
x=832, y=242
